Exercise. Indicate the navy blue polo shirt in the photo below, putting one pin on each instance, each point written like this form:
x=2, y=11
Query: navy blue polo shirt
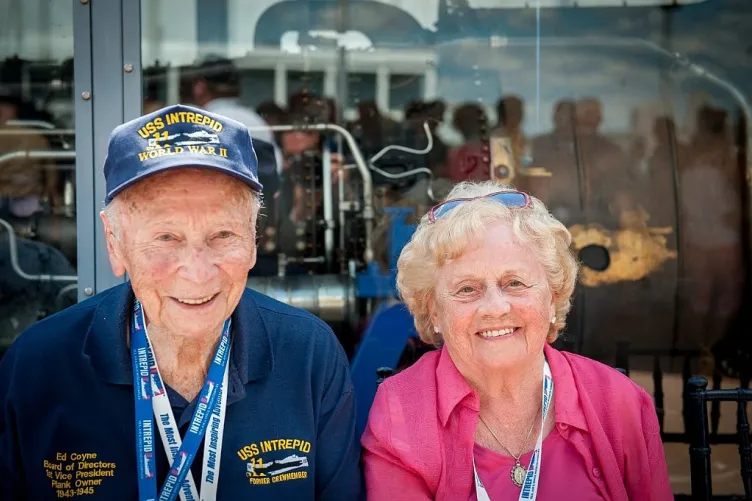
x=67, y=423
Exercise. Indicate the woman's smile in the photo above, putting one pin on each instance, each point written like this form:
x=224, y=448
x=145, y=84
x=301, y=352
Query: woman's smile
x=497, y=334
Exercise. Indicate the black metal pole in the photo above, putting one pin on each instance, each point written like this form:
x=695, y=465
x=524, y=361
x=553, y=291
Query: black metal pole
x=699, y=448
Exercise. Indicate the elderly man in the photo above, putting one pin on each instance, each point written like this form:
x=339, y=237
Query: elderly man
x=181, y=382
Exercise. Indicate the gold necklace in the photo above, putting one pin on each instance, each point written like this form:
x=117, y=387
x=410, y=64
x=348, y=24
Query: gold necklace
x=518, y=472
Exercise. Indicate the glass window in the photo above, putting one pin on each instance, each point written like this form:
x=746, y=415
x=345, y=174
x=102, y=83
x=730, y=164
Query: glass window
x=305, y=81
x=403, y=89
x=258, y=87
x=361, y=88
x=626, y=119
x=37, y=165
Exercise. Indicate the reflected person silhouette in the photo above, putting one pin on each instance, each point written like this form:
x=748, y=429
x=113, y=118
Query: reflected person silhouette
x=556, y=152
x=712, y=280
x=470, y=161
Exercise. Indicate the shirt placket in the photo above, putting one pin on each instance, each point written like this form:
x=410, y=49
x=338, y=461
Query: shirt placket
x=581, y=443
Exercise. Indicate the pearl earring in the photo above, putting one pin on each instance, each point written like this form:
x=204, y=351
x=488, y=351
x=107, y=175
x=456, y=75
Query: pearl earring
x=435, y=329
x=553, y=319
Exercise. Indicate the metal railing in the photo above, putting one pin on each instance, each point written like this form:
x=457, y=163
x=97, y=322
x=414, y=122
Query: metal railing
x=17, y=267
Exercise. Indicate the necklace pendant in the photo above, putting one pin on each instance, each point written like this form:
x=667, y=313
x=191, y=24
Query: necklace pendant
x=518, y=474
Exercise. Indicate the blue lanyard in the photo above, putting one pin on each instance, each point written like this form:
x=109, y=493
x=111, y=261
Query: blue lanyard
x=145, y=374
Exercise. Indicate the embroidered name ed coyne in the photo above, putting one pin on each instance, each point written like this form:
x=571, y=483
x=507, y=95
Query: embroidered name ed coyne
x=77, y=473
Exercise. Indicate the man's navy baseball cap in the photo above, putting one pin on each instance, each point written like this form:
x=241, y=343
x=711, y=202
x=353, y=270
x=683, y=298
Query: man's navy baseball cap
x=178, y=136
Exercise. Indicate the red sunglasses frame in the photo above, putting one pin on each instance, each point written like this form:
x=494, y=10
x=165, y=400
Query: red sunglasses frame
x=432, y=213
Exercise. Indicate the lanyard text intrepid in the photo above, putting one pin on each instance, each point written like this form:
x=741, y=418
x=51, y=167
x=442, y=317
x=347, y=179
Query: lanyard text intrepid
x=151, y=400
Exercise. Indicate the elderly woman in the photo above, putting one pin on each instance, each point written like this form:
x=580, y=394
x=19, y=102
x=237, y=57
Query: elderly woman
x=498, y=413
x=180, y=381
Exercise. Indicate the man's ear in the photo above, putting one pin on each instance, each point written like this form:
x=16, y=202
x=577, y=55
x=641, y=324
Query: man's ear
x=114, y=251
x=254, y=255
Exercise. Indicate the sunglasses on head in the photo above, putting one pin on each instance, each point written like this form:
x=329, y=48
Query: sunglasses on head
x=513, y=199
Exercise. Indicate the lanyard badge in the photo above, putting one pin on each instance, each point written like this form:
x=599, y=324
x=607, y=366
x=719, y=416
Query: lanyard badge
x=151, y=399
x=529, y=490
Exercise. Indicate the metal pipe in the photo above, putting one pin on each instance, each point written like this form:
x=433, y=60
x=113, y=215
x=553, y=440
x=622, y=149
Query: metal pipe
x=31, y=123
x=328, y=207
x=38, y=154
x=38, y=132
x=427, y=149
x=341, y=206
x=365, y=174
x=411, y=172
x=17, y=268
x=391, y=147
x=400, y=175
x=65, y=290
x=330, y=297
x=39, y=127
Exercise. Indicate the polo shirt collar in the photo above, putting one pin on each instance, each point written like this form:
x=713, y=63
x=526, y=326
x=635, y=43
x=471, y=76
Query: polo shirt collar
x=106, y=349
x=452, y=389
x=566, y=396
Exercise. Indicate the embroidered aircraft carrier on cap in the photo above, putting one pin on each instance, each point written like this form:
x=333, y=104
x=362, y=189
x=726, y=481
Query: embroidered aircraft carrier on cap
x=178, y=136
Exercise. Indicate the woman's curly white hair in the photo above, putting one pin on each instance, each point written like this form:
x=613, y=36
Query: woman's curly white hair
x=433, y=244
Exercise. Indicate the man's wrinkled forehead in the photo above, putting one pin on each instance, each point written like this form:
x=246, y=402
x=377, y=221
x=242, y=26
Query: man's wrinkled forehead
x=166, y=204
x=185, y=182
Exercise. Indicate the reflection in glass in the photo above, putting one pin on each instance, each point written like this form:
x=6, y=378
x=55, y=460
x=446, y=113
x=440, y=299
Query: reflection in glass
x=595, y=118
x=640, y=154
x=37, y=169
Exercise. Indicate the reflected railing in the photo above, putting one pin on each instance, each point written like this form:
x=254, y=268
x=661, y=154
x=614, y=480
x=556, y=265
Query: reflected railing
x=17, y=267
x=365, y=174
x=39, y=155
x=40, y=127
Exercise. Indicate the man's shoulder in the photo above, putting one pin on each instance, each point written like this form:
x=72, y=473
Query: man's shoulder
x=49, y=348
x=301, y=344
